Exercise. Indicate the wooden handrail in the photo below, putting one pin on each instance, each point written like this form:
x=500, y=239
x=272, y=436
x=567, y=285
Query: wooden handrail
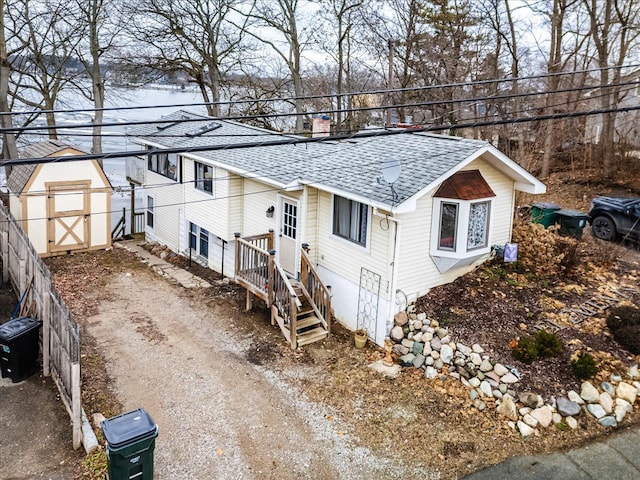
x=319, y=293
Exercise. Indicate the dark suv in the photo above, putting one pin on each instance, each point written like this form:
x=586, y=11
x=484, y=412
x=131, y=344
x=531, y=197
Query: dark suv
x=614, y=217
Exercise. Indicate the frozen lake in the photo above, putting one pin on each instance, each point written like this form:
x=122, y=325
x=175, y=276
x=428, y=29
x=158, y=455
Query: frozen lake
x=160, y=99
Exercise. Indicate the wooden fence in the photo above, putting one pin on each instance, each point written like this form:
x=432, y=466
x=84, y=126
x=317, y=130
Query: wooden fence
x=32, y=280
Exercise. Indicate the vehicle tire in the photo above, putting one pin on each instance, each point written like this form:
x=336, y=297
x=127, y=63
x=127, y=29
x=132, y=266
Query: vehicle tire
x=604, y=228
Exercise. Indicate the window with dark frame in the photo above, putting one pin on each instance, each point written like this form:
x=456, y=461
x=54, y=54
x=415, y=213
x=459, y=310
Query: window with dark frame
x=203, y=177
x=448, y=226
x=199, y=240
x=150, y=211
x=164, y=164
x=350, y=220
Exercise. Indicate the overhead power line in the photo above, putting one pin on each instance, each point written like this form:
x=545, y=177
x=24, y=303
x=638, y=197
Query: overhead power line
x=300, y=140
x=331, y=95
x=321, y=112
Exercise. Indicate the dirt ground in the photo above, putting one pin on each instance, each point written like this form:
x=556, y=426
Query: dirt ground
x=35, y=434
x=233, y=401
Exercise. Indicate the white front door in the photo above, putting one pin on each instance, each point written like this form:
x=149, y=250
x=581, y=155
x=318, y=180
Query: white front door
x=288, y=235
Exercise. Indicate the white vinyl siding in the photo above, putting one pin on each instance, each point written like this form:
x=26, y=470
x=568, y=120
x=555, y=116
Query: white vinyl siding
x=417, y=272
x=206, y=209
x=345, y=258
x=257, y=198
x=235, y=185
x=169, y=202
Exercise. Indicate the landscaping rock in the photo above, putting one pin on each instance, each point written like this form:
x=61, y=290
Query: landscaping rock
x=627, y=392
x=427, y=349
x=596, y=410
x=396, y=334
x=575, y=397
x=497, y=393
x=429, y=360
x=493, y=376
x=509, y=378
x=589, y=393
x=572, y=422
x=633, y=372
x=529, y=420
x=435, y=354
x=500, y=369
x=430, y=372
x=557, y=418
x=407, y=360
x=446, y=353
x=476, y=359
x=418, y=361
x=400, y=349
x=438, y=363
x=442, y=332
x=606, y=402
x=477, y=348
x=417, y=337
x=474, y=382
x=401, y=318
x=407, y=343
x=436, y=344
x=567, y=408
x=524, y=429
x=607, y=387
x=486, y=366
x=485, y=388
x=466, y=351
x=417, y=348
x=473, y=394
x=608, y=421
x=544, y=415
x=507, y=408
x=622, y=408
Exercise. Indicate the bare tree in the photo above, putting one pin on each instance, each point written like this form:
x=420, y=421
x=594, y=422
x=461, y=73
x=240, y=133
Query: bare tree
x=279, y=24
x=615, y=31
x=9, y=149
x=196, y=37
x=49, y=35
x=101, y=24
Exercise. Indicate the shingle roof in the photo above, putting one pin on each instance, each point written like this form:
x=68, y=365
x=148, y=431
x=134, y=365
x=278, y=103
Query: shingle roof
x=352, y=166
x=20, y=174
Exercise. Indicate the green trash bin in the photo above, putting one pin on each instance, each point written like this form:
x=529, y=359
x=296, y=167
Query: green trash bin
x=544, y=213
x=571, y=222
x=131, y=439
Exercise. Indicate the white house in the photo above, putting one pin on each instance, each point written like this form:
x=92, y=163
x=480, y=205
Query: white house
x=331, y=204
x=63, y=207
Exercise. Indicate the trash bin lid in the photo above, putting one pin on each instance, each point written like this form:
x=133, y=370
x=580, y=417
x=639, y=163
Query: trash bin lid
x=128, y=428
x=567, y=212
x=546, y=205
x=16, y=327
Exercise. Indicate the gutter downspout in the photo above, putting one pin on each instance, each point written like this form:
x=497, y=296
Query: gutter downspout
x=394, y=269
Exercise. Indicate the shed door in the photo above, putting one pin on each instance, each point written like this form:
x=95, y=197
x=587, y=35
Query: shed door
x=68, y=215
x=288, y=235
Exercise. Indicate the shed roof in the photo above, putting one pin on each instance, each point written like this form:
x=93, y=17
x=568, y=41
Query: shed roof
x=350, y=167
x=20, y=174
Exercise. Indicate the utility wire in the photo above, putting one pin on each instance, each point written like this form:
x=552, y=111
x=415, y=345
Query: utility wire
x=302, y=140
x=204, y=118
x=332, y=95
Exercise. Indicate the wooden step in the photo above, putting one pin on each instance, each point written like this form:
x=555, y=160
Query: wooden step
x=310, y=336
x=307, y=322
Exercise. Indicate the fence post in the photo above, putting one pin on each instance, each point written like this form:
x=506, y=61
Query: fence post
x=46, y=333
x=236, y=260
x=76, y=405
x=5, y=257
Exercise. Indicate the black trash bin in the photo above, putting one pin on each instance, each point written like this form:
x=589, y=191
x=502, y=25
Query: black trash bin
x=544, y=213
x=131, y=440
x=571, y=222
x=19, y=348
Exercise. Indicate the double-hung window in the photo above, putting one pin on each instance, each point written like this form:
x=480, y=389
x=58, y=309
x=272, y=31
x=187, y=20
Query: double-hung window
x=199, y=240
x=204, y=177
x=165, y=164
x=151, y=211
x=350, y=220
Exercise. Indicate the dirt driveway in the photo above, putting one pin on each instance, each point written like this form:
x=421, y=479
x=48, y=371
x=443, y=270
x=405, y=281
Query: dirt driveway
x=220, y=413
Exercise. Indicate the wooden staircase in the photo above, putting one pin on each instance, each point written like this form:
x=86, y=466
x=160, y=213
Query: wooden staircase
x=301, y=308
x=309, y=328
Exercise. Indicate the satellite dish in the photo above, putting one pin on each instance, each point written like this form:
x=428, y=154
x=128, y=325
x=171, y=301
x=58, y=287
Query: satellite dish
x=391, y=169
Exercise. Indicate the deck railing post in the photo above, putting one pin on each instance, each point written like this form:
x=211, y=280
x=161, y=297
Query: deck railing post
x=271, y=283
x=293, y=322
x=270, y=238
x=236, y=260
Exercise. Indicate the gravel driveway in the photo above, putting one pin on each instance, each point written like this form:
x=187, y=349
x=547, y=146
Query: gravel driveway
x=219, y=415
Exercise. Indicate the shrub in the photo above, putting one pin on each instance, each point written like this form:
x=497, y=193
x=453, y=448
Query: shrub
x=525, y=350
x=548, y=344
x=584, y=366
x=624, y=323
x=543, y=345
